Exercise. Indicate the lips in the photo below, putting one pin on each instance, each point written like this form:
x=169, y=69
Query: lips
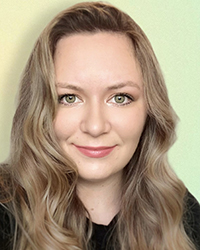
x=95, y=152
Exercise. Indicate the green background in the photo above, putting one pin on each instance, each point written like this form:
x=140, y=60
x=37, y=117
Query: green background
x=173, y=27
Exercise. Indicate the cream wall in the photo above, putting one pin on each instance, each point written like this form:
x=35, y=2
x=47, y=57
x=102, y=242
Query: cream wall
x=173, y=28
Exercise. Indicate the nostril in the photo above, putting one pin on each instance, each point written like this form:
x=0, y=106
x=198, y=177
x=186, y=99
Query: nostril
x=95, y=123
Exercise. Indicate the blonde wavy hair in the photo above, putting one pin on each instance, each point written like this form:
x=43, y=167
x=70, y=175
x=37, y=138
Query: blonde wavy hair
x=40, y=181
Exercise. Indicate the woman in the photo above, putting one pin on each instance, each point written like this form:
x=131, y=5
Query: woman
x=88, y=163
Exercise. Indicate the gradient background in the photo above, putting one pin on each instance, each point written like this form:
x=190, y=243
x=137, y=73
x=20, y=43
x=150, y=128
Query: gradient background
x=173, y=28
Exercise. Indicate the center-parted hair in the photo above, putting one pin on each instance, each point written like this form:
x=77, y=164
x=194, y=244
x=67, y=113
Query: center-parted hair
x=42, y=180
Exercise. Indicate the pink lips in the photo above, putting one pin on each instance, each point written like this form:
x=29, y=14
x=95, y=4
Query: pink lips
x=95, y=152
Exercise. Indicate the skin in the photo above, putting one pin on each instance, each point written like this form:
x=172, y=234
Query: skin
x=101, y=104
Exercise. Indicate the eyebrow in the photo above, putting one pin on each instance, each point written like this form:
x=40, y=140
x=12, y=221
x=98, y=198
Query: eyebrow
x=113, y=87
x=68, y=86
x=124, y=84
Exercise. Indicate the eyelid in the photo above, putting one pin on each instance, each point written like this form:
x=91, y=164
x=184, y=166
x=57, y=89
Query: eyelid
x=60, y=97
x=130, y=97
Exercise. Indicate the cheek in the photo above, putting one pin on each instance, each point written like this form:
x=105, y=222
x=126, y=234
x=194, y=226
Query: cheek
x=63, y=126
x=58, y=127
x=132, y=134
x=131, y=124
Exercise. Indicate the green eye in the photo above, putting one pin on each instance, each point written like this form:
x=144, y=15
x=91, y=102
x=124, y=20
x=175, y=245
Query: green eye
x=70, y=98
x=119, y=98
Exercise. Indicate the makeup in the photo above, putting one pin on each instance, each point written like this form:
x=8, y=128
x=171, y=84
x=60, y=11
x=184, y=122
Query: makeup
x=95, y=152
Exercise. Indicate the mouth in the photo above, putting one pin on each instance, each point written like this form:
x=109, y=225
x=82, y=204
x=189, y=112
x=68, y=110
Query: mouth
x=95, y=152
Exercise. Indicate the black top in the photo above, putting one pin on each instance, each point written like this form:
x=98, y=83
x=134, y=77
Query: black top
x=102, y=233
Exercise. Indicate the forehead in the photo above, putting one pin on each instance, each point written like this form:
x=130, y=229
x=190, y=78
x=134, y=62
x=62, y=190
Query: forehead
x=82, y=37
x=101, y=56
x=88, y=42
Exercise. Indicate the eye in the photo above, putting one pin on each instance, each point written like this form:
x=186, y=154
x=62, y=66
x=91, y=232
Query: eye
x=119, y=98
x=68, y=99
x=122, y=99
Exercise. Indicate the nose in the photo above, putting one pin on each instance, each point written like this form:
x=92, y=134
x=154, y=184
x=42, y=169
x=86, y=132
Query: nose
x=95, y=121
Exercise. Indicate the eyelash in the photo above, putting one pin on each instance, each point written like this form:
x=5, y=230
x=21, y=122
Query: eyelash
x=129, y=97
x=60, y=99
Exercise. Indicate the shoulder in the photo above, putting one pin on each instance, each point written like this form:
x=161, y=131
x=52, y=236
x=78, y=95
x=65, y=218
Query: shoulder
x=7, y=222
x=191, y=219
x=7, y=227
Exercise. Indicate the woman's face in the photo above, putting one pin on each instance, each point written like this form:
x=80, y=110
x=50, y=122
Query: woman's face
x=101, y=111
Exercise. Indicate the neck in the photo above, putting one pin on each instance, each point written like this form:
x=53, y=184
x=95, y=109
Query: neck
x=101, y=199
